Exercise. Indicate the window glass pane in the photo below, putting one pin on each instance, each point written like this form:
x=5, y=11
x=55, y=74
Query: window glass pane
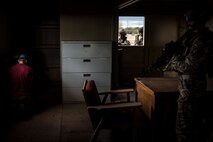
x=131, y=30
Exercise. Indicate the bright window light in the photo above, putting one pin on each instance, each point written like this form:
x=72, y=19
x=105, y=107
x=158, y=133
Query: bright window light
x=131, y=30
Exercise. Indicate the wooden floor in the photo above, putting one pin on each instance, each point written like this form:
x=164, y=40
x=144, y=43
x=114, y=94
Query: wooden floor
x=59, y=123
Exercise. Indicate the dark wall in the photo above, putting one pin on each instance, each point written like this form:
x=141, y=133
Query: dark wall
x=33, y=28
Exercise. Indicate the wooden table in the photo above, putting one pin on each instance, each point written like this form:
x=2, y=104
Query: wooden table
x=158, y=97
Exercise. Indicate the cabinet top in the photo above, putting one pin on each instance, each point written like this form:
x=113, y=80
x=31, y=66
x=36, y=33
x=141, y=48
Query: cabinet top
x=85, y=42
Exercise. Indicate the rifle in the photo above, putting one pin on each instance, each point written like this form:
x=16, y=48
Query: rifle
x=168, y=52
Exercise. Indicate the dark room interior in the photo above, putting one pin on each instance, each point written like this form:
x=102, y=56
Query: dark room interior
x=47, y=30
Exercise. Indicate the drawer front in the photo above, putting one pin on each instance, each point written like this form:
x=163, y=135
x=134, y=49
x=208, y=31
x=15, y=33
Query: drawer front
x=77, y=79
x=75, y=95
x=86, y=65
x=86, y=50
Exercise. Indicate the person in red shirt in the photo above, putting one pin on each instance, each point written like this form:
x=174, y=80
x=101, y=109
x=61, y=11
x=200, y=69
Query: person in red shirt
x=20, y=85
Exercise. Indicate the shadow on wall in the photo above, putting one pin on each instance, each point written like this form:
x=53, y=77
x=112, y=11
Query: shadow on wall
x=45, y=91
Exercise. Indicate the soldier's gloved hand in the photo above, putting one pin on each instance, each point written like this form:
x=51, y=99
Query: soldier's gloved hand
x=178, y=58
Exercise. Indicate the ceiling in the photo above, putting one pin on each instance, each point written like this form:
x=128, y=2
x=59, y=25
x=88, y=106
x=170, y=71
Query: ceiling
x=122, y=5
x=159, y=6
x=137, y=6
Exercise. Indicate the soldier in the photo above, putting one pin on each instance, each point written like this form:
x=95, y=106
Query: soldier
x=139, y=37
x=191, y=65
x=123, y=39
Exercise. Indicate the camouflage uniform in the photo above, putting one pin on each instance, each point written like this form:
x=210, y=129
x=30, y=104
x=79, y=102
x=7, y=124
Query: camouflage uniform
x=191, y=66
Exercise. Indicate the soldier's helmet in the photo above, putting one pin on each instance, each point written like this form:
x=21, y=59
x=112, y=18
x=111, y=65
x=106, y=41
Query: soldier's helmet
x=140, y=30
x=199, y=14
x=122, y=33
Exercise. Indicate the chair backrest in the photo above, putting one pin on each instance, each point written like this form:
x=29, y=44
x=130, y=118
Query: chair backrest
x=92, y=98
x=90, y=93
x=114, y=118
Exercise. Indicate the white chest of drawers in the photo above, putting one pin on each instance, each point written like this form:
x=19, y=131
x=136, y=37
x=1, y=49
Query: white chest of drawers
x=81, y=60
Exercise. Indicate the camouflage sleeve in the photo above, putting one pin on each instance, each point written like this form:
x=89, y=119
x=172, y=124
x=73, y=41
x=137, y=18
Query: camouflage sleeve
x=196, y=57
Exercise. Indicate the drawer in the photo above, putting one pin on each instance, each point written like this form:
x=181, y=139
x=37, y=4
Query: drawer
x=75, y=95
x=86, y=49
x=77, y=79
x=86, y=65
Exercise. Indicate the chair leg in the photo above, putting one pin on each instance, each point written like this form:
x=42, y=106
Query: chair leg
x=97, y=130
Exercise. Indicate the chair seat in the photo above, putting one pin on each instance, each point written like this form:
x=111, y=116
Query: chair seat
x=113, y=115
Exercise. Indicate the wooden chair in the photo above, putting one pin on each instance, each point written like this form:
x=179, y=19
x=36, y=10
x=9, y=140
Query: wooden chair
x=115, y=115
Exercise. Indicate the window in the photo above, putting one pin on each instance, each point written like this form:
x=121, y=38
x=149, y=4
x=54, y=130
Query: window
x=131, y=30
